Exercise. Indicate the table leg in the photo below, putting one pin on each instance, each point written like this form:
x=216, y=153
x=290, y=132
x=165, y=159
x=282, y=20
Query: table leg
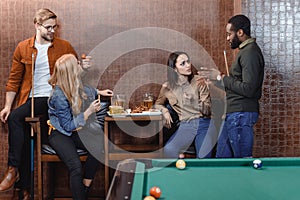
x=106, y=167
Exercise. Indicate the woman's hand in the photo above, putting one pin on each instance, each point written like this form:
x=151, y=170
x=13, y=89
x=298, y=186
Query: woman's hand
x=168, y=119
x=94, y=107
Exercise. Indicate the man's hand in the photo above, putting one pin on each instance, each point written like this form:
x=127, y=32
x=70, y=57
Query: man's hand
x=9, y=99
x=86, y=62
x=106, y=92
x=208, y=73
x=4, y=114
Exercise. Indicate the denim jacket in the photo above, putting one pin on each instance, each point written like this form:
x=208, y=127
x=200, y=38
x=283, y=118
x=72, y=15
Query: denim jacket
x=60, y=111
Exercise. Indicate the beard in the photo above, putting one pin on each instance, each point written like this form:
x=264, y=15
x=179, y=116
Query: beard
x=235, y=42
x=48, y=37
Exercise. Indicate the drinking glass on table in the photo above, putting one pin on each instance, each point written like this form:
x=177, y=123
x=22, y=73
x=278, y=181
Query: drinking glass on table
x=119, y=100
x=148, y=100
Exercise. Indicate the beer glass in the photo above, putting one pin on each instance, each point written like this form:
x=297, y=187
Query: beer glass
x=148, y=100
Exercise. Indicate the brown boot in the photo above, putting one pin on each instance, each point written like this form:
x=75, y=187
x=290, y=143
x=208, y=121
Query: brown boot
x=24, y=195
x=15, y=195
x=9, y=179
x=20, y=194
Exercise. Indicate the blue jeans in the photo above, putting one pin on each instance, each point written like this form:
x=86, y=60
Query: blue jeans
x=236, y=138
x=187, y=132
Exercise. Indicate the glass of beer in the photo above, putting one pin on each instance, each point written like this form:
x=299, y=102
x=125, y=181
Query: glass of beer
x=119, y=100
x=148, y=100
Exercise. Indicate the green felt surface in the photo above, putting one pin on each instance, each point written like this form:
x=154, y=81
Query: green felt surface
x=223, y=179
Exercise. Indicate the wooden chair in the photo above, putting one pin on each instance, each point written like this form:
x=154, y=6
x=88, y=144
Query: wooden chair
x=43, y=157
x=43, y=154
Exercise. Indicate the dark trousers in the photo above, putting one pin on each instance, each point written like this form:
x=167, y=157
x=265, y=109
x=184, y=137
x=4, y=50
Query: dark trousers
x=66, y=148
x=19, y=137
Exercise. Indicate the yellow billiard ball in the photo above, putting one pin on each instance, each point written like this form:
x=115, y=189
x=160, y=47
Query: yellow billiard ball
x=180, y=164
x=149, y=198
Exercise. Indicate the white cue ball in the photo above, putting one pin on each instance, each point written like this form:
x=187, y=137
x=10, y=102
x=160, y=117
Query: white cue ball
x=257, y=164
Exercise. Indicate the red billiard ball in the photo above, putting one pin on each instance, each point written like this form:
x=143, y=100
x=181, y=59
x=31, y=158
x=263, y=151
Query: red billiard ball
x=149, y=198
x=155, y=192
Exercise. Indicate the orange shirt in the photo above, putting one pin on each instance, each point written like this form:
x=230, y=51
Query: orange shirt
x=20, y=78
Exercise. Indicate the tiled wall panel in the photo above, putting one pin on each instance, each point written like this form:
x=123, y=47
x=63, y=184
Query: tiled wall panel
x=276, y=25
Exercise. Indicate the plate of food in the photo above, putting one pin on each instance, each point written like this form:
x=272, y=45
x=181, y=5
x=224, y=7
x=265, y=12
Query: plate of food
x=141, y=111
x=146, y=113
x=117, y=111
x=125, y=114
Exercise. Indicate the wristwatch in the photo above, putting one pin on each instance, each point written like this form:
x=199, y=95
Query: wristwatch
x=219, y=77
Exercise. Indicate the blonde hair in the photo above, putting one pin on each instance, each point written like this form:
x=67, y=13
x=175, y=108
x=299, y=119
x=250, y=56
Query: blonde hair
x=42, y=15
x=66, y=75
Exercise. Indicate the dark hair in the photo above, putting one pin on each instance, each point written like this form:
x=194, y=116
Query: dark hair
x=172, y=74
x=240, y=22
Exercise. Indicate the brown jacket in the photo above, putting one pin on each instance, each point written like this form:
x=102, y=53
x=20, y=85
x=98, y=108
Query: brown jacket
x=189, y=100
x=20, y=78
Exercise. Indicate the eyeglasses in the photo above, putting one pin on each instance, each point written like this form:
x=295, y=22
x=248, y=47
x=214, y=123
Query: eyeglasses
x=50, y=28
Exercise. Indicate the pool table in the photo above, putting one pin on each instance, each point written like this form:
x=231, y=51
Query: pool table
x=209, y=179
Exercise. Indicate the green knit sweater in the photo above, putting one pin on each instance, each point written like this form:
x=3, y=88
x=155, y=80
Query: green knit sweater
x=243, y=86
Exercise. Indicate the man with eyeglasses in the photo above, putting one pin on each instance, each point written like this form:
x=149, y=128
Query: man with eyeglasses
x=40, y=51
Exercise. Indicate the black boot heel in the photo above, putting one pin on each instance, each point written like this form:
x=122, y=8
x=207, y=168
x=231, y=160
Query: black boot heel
x=86, y=191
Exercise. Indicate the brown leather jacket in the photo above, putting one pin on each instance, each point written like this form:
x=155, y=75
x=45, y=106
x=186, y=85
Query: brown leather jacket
x=20, y=78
